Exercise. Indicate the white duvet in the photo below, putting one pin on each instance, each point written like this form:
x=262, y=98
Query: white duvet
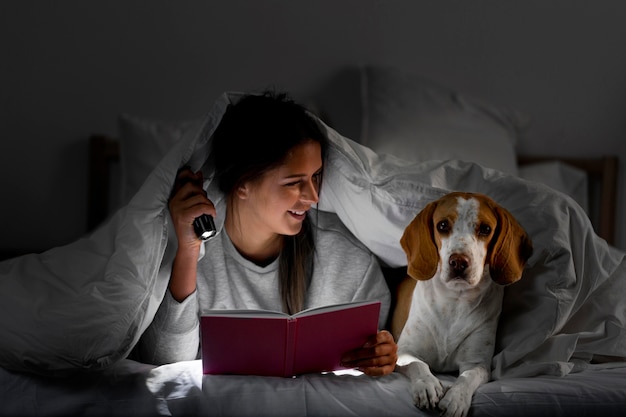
x=86, y=304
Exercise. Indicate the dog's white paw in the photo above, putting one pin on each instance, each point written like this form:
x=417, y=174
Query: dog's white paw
x=427, y=390
x=455, y=403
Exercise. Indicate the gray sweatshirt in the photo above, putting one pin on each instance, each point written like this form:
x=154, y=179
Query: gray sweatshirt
x=344, y=270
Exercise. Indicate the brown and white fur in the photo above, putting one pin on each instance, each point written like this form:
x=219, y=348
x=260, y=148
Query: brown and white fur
x=461, y=250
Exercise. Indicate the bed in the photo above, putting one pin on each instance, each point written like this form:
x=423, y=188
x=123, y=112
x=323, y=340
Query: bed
x=561, y=340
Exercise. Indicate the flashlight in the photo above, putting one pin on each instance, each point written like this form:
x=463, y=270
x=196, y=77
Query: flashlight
x=204, y=227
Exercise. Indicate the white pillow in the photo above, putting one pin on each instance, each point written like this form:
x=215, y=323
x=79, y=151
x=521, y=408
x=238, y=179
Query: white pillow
x=560, y=176
x=415, y=119
x=143, y=142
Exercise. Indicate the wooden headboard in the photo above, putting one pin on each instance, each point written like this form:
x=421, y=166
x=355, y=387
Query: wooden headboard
x=103, y=152
x=601, y=172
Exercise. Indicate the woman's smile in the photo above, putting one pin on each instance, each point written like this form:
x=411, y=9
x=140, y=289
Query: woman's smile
x=298, y=215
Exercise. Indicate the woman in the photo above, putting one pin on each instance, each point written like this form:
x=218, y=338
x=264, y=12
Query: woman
x=275, y=252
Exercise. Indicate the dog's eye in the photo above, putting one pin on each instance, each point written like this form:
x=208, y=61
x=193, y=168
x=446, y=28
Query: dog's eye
x=484, y=230
x=443, y=226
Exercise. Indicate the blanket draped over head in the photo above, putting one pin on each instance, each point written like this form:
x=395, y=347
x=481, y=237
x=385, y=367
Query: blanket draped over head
x=85, y=305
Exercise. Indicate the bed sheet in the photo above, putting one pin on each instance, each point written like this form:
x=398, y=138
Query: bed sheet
x=180, y=389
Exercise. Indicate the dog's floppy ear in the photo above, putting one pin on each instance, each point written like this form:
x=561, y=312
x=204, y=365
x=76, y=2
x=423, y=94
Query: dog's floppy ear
x=511, y=247
x=419, y=245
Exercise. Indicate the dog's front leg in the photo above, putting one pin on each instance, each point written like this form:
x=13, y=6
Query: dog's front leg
x=426, y=389
x=458, y=398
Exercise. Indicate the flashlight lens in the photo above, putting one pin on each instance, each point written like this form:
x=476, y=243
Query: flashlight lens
x=204, y=227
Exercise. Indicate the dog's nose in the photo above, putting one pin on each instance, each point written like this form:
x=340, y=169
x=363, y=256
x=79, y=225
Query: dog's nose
x=458, y=263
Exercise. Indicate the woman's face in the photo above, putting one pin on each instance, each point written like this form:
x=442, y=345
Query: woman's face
x=278, y=201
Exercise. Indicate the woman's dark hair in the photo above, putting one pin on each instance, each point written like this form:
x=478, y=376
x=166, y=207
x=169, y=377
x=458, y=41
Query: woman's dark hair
x=254, y=136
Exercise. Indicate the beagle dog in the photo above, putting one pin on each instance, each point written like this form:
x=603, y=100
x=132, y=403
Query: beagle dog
x=462, y=249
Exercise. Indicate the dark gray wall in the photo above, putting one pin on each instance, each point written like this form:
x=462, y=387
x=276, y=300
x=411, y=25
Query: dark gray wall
x=68, y=68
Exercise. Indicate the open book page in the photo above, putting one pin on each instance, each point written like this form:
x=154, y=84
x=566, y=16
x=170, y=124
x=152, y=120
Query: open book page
x=279, y=314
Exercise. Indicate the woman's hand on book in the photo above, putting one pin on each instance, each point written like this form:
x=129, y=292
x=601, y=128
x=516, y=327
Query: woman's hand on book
x=377, y=357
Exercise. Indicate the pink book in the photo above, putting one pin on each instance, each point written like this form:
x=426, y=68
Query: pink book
x=270, y=343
